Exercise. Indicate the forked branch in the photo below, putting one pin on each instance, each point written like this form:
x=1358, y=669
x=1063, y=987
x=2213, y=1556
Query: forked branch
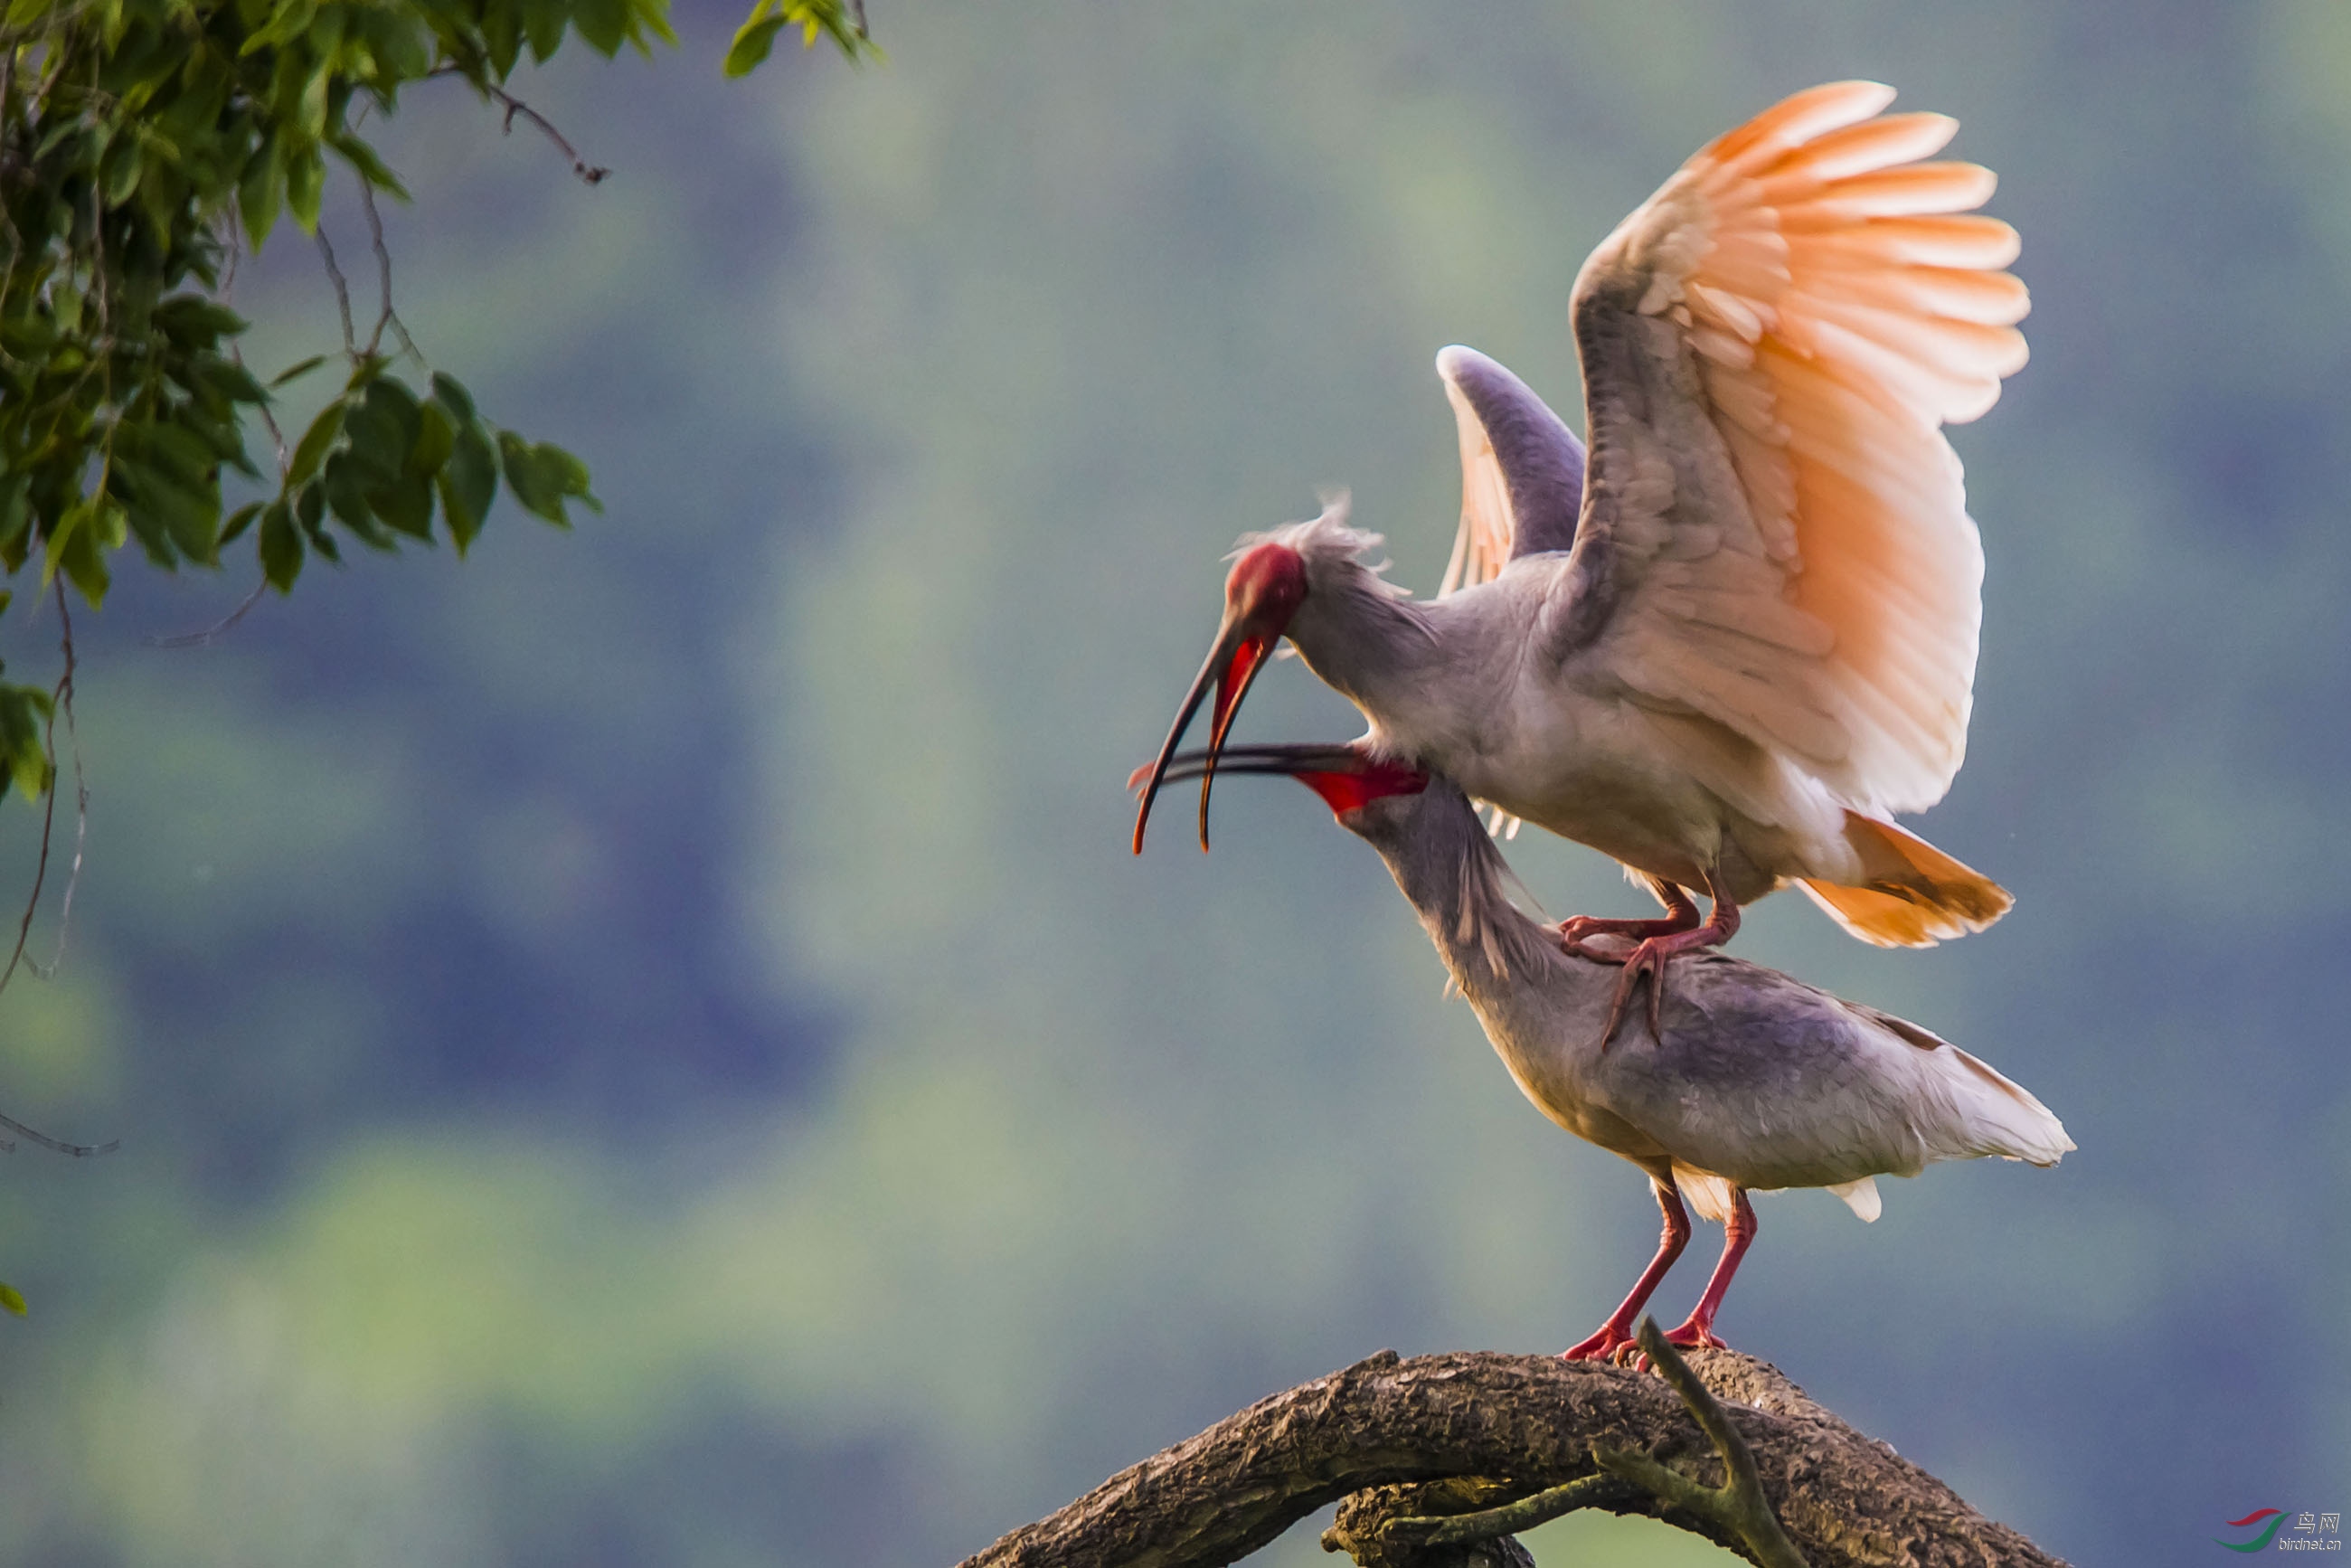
x=1440, y=1457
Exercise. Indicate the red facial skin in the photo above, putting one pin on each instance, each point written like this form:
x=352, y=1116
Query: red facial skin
x=1264, y=590
x=1267, y=586
x=1345, y=792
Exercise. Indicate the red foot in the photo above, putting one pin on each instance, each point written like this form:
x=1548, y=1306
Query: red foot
x=1694, y=1336
x=1649, y=958
x=1680, y=915
x=1607, y=1344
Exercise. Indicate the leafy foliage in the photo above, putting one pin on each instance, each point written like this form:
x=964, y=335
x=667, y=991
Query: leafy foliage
x=143, y=143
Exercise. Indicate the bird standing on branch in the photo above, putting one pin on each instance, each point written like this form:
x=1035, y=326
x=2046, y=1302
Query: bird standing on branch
x=1751, y=1081
x=1733, y=647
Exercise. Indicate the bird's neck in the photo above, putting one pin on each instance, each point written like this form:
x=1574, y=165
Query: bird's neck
x=1364, y=641
x=1451, y=874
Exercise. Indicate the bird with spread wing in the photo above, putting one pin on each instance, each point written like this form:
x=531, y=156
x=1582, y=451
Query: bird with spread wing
x=1735, y=639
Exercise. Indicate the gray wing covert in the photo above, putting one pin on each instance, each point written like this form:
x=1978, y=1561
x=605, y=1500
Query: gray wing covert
x=1521, y=469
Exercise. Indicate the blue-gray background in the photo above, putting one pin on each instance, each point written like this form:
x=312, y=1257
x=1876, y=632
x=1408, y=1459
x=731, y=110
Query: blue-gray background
x=648, y=1047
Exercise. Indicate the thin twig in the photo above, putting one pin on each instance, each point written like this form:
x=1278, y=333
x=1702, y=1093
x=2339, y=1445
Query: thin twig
x=342, y=291
x=1511, y=1518
x=198, y=639
x=589, y=173
x=857, y=14
x=48, y=822
x=235, y=348
x=63, y=697
x=34, y=1135
x=386, y=316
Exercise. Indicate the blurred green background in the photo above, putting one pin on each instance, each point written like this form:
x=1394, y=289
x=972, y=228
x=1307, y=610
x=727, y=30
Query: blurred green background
x=649, y=1047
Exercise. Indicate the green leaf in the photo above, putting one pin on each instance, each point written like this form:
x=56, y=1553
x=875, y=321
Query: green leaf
x=305, y=183
x=281, y=547
x=238, y=521
x=290, y=22
x=228, y=378
x=346, y=485
x=604, y=23
x=436, y=439
x=502, y=35
x=311, y=450
x=384, y=429
x=317, y=93
x=406, y=505
x=371, y=168
x=467, y=486
x=123, y=174
x=543, y=476
x=82, y=554
x=173, y=516
x=195, y=321
x=258, y=191
x=652, y=15
x=542, y=22
x=15, y=516
x=298, y=369
x=76, y=520
x=12, y=1300
x=23, y=714
x=452, y=395
x=754, y=41
x=137, y=483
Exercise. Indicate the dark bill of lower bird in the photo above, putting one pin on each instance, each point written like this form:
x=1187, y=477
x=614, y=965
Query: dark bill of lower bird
x=1346, y=776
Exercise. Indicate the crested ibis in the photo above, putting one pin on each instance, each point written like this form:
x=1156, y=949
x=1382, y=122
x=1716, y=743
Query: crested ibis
x=1728, y=649
x=1750, y=1081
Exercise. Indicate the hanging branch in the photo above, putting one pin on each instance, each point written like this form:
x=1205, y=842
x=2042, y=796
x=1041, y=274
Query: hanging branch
x=64, y=690
x=589, y=173
x=1406, y=1442
x=61, y=697
x=62, y=700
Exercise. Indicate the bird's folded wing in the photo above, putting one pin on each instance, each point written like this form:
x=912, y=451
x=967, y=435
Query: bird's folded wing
x=1521, y=469
x=1776, y=534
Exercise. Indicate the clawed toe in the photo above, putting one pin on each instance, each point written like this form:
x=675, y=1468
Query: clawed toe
x=1607, y=1344
x=1694, y=1336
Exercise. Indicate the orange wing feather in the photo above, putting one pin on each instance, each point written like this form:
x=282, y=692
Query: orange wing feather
x=1826, y=301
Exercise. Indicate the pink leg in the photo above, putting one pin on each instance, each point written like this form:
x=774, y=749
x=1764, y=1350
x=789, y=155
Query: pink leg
x=1736, y=1236
x=1617, y=1332
x=1681, y=914
x=1649, y=958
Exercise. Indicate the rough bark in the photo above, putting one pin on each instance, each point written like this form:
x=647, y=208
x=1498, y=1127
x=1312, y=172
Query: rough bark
x=1496, y=1428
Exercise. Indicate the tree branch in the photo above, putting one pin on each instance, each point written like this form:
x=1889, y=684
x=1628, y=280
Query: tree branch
x=1491, y=1430
x=589, y=174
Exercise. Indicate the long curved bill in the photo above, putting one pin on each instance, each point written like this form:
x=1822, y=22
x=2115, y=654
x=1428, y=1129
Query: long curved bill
x=1341, y=774
x=1232, y=665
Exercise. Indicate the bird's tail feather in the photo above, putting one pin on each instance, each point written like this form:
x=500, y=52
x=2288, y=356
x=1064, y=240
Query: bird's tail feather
x=1912, y=894
x=2004, y=1119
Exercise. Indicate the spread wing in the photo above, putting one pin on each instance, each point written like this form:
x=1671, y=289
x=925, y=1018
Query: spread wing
x=1521, y=469
x=1777, y=536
